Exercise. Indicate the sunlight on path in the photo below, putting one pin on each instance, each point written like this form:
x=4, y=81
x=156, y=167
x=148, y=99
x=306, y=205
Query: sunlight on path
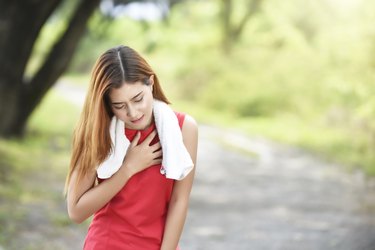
x=74, y=94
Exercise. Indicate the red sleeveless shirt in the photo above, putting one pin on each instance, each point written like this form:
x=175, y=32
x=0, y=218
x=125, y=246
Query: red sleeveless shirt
x=134, y=219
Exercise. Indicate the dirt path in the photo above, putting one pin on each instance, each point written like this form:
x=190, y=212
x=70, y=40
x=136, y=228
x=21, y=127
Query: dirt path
x=253, y=194
x=282, y=199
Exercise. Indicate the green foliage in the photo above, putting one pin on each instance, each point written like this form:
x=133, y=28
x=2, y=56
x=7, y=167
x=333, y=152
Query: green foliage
x=308, y=80
x=302, y=70
x=49, y=35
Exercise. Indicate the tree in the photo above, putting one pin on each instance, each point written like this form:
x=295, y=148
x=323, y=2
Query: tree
x=20, y=25
x=231, y=31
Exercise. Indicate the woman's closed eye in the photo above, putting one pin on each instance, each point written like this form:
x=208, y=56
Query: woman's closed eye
x=139, y=99
x=119, y=106
x=123, y=105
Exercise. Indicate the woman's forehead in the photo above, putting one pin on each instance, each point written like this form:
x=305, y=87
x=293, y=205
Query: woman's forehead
x=126, y=92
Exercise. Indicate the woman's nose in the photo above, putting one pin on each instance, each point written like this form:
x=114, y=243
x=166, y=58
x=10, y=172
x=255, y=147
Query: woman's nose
x=130, y=111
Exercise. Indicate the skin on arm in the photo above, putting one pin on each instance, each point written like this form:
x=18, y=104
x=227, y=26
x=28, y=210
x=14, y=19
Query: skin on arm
x=84, y=200
x=179, y=202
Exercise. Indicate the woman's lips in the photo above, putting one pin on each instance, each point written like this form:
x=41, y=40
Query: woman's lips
x=138, y=120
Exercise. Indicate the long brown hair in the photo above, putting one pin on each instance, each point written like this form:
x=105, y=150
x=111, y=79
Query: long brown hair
x=91, y=139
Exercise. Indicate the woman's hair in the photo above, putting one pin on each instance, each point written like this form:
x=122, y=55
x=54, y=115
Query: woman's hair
x=91, y=139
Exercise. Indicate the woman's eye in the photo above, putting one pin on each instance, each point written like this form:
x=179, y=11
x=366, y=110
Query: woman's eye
x=139, y=99
x=119, y=107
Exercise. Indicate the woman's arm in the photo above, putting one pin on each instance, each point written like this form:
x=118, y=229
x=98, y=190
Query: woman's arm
x=85, y=199
x=179, y=202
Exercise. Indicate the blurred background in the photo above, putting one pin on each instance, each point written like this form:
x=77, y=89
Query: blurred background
x=297, y=72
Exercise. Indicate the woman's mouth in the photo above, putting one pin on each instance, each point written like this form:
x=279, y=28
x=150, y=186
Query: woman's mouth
x=138, y=120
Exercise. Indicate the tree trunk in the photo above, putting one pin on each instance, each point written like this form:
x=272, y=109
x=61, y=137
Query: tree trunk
x=226, y=13
x=18, y=96
x=232, y=32
x=20, y=24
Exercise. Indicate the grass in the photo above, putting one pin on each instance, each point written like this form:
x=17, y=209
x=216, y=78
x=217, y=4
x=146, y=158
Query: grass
x=33, y=171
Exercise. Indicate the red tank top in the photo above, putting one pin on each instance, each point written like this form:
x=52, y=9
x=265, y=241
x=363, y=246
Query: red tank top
x=135, y=217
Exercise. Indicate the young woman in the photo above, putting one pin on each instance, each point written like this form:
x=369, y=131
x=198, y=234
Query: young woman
x=137, y=207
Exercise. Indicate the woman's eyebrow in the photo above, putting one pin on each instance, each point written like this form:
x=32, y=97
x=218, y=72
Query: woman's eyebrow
x=137, y=95
x=134, y=97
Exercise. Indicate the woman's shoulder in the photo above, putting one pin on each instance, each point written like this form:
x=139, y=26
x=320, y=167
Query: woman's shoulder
x=189, y=132
x=188, y=124
x=185, y=118
x=190, y=121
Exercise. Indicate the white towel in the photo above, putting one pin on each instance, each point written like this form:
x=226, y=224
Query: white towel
x=176, y=162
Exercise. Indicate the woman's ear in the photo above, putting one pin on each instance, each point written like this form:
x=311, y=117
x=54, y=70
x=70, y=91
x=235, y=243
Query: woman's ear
x=151, y=82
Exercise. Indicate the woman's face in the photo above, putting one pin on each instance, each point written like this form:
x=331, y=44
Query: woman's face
x=132, y=103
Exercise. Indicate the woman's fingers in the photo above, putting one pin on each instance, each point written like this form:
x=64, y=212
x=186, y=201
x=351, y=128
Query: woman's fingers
x=156, y=161
x=156, y=147
x=149, y=138
x=157, y=154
